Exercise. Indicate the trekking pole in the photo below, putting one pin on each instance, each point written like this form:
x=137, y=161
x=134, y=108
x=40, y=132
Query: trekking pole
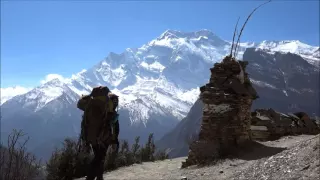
x=79, y=146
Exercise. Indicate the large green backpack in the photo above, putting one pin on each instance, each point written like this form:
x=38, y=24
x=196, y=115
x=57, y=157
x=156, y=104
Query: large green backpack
x=101, y=91
x=95, y=127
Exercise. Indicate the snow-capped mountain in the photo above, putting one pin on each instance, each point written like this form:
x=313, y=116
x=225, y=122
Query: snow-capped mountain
x=285, y=82
x=175, y=62
x=309, y=53
x=157, y=83
x=47, y=93
x=10, y=92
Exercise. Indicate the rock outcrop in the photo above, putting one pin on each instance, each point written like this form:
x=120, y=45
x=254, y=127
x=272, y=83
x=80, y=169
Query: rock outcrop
x=267, y=124
x=227, y=101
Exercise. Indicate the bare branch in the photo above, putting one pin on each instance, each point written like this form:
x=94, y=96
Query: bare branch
x=234, y=34
x=15, y=162
x=235, y=52
x=238, y=41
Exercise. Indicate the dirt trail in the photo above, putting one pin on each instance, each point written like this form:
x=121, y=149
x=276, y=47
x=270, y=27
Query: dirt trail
x=247, y=166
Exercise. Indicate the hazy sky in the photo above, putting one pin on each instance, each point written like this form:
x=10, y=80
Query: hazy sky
x=39, y=38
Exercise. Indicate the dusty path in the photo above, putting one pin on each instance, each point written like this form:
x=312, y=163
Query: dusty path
x=227, y=169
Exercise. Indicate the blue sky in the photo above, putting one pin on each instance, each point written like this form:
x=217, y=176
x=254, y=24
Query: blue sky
x=39, y=38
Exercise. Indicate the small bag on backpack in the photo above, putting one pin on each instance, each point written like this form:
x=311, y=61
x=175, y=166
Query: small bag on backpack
x=100, y=92
x=83, y=102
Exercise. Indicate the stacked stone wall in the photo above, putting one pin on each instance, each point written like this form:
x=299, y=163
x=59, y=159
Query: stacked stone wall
x=267, y=124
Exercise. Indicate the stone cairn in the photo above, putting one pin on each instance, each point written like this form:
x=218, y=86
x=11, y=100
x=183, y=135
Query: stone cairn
x=227, y=101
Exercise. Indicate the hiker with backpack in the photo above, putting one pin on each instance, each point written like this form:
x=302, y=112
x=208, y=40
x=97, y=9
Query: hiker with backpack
x=99, y=127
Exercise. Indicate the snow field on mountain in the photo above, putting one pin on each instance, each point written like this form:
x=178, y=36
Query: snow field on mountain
x=161, y=77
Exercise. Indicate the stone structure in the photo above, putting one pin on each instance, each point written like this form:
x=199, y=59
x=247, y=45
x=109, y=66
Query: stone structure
x=227, y=101
x=267, y=124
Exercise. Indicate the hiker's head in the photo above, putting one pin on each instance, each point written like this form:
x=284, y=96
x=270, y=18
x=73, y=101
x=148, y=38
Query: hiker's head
x=115, y=100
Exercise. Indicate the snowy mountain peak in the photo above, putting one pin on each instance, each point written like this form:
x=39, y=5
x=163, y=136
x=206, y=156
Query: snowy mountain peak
x=54, y=82
x=205, y=32
x=42, y=95
x=76, y=76
x=170, y=34
x=317, y=53
x=293, y=46
x=174, y=34
x=308, y=52
x=10, y=92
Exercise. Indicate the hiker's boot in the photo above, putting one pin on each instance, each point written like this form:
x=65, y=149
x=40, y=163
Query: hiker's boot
x=111, y=167
x=99, y=177
x=90, y=178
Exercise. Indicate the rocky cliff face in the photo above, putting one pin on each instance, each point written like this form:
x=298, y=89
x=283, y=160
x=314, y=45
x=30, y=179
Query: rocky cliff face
x=285, y=82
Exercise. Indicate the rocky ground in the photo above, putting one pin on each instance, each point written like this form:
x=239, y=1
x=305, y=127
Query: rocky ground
x=291, y=157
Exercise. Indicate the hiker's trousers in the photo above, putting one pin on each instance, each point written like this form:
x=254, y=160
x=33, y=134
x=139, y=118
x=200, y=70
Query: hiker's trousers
x=96, y=168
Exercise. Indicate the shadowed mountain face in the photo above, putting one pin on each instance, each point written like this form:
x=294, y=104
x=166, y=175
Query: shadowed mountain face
x=177, y=140
x=284, y=82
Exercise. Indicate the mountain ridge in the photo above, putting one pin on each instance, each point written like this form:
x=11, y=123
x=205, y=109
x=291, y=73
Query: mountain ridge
x=266, y=44
x=157, y=84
